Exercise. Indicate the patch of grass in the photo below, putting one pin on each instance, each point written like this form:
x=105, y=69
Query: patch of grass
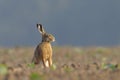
x=37, y=76
x=3, y=69
x=100, y=50
x=77, y=50
x=67, y=55
x=67, y=68
x=105, y=65
x=109, y=66
x=112, y=66
x=31, y=65
x=53, y=67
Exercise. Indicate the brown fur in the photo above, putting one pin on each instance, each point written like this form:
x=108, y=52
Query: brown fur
x=43, y=51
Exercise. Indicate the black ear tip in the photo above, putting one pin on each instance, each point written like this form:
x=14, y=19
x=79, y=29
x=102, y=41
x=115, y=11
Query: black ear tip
x=39, y=24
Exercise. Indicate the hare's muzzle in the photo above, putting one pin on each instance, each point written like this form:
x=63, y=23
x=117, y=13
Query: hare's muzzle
x=53, y=40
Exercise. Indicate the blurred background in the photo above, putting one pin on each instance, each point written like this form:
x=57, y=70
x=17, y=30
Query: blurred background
x=72, y=22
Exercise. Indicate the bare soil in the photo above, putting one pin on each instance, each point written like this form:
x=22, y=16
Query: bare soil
x=69, y=63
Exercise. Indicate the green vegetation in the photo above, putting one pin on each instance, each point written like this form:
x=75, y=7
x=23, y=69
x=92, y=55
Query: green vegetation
x=105, y=65
x=3, y=69
x=100, y=50
x=53, y=67
x=67, y=68
x=109, y=66
x=36, y=76
x=31, y=65
x=67, y=55
x=78, y=50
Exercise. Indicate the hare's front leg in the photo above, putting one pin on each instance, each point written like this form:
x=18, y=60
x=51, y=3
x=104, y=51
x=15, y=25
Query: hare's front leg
x=45, y=63
x=50, y=61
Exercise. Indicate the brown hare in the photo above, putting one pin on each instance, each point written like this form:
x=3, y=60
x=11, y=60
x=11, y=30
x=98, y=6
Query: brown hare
x=43, y=51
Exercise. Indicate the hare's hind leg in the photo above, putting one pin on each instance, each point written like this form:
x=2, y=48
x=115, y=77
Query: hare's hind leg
x=35, y=60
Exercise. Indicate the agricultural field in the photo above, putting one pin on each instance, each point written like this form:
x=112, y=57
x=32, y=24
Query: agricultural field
x=69, y=63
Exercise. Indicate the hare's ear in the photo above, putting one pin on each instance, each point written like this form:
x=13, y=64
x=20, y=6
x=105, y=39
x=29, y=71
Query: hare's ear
x=40, y=28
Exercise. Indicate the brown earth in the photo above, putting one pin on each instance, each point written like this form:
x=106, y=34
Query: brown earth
x=69, y=63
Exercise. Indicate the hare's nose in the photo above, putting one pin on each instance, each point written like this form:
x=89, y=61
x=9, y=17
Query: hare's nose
x=53, y=40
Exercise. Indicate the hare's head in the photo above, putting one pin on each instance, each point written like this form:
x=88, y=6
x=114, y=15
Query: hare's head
x=45, y=36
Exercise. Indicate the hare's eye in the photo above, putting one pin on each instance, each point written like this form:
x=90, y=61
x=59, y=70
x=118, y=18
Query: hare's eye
x=47, y=35
x=50, y=35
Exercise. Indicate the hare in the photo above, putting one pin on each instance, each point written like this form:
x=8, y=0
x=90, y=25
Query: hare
x=43, y=51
